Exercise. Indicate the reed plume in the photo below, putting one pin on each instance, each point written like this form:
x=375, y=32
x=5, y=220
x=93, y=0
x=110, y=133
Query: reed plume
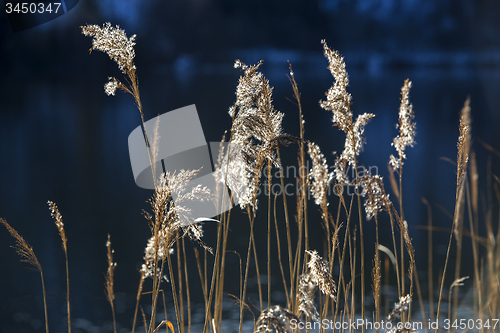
x=114, y=42
x=321, y=275
x=170, y=218
x=374, y=193
x=319, y=176
x=399, y=308
x=109, y=290
x=305, y=296
x=169, y=222
x=25, y=251
x=463, y=147
x=56, y=215
x=275, y=318
x=406, y=126
x=256, y=129
x=338, y=101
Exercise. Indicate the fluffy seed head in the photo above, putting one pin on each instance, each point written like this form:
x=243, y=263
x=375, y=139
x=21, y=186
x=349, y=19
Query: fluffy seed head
x=305, y=296
x=399, y=308
x=374, y=193
x=406, y=125
x=114, y=42
x=319, y=175
x=321, y=275
x=275, y=318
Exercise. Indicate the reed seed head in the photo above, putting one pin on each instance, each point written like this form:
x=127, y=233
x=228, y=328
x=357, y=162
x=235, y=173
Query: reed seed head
x=171, y=221
x=56, y=215
x=338, y=100
x=463, y=144
x=305, y=296
x=374, y=193
x=406, y=125
x=111, y=86
x=23, y=249
x=110, y=274
x=319, y=175
x=275, y=318
x=399, y=308
x=114, y=42
x=256, y=131
x=321, y=275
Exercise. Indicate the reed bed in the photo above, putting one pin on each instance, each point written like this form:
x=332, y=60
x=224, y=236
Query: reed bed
x=327, y=281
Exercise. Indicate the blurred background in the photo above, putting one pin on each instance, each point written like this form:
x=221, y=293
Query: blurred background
x=63, y=139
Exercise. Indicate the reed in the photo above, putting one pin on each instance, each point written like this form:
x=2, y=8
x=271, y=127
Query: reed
x=56, y=215
x=109, y=290
x=25, y=251
x=335, y=264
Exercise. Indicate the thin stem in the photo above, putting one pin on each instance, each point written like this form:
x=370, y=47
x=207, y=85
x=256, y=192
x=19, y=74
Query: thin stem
x=138, y=298
x=279, y=252
x=245, y=280
x=287, y=223
x=187, y=286
x=214, y=278
x=455, y=217
x=174, y=293
x=362, y=242
x=180, y=296
x=67, y=291
x=44, y=303
x=429, y=260
x=269, y=181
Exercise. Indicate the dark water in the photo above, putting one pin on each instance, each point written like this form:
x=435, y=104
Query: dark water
x=62, y=139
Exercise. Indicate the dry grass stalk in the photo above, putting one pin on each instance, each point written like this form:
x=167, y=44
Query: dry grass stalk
x=168, y=224
x=320, y=180
x=430, y=274
x=56, y=215
x=302, y=209
x=464, y=143
x=463, y=147
x=114, y=42
x=255, y=132
x=376, y=275
x=25, y=251
x=457, y=283
x=144, y=321
x=339, y=103
x=405, y=138
x=138, y=298
x=110, y=280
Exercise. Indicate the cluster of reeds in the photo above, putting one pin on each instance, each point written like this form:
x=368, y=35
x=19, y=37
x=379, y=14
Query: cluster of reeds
x=312, y=292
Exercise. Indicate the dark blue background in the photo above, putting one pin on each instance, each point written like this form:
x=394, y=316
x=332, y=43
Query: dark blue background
x=63, y=139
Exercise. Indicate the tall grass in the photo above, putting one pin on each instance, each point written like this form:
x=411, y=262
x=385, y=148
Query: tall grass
x=312, y=292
